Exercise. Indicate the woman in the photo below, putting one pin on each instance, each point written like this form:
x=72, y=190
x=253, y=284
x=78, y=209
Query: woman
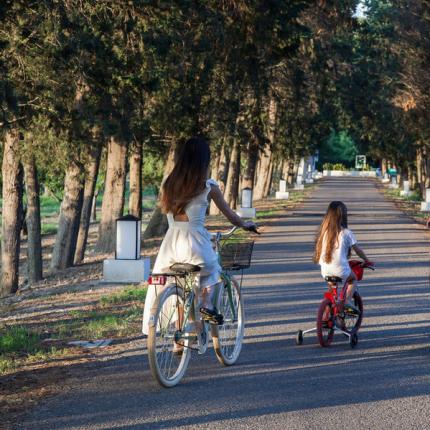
x=184, y=199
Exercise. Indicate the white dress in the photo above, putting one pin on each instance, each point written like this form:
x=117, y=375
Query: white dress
x=339, y=265
x=186, y=242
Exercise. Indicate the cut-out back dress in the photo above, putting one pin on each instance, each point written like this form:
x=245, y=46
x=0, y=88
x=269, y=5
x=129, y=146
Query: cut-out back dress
x=186, y=242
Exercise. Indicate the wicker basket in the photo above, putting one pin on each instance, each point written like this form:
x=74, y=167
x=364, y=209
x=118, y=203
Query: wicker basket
x=236, y=254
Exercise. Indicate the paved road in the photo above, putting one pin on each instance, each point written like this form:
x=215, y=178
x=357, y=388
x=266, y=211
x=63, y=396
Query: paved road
x=382, y=384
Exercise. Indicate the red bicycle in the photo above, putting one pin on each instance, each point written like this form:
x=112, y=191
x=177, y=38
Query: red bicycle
x=333, y=315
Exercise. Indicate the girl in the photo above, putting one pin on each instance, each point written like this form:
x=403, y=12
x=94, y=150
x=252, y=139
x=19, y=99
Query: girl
x=333, y=246
x=184, y=198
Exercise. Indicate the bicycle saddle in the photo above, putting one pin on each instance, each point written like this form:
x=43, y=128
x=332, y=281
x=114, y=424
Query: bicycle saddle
x=184, y=268
x=334, y=279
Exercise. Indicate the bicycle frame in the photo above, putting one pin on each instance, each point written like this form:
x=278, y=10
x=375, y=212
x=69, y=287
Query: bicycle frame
x=332, y=295
x=185, y=288
x=335, y=299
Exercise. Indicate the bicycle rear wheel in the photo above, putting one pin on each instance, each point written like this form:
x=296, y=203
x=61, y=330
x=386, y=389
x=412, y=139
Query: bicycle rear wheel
x=227, y=338
x=353, y=322
x=167, y=366
x=325, y=323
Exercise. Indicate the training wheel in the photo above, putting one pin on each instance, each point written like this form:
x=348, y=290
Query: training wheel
x=299, y=337
x=353, y=340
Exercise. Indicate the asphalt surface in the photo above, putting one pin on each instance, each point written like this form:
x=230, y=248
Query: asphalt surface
x=383, y=383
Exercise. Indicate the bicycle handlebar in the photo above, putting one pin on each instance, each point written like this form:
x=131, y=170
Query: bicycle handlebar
x=369, y=265
x=218, y=235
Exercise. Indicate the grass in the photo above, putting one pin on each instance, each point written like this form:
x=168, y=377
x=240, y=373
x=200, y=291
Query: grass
x=49, y=207
x=17, y=339
x=115, y=315
x=129, y=294
x=266, y=214
x=97, y=324
x=49, y=228
x=18, y=343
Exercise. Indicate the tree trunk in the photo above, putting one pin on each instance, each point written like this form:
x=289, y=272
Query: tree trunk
x=291, y=172
x=232, y=184
x=135, y=199
x=251, y=163
x=220, y=176
x=383, y=167
x=113, y=195
x=263, y=176
x=214, y=165
x=158, y=224
x=269, y=178
x=412, y=177
x=68, y=223
x=91, y=173
x=34, y=241
x=12, y=177
x=266, y=166
x=421, y=175
x=94, y=206
x=426, y=163
x=284, y=169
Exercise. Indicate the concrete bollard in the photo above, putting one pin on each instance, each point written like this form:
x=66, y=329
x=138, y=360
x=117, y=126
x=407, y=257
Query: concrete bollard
x=393, y=183
x=406, y=191
x=282, y=194
x=386, y=178
x=299, y=183
x=425, y=206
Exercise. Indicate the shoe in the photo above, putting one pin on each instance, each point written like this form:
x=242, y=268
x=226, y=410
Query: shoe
x=351, y=310
x=212, y=316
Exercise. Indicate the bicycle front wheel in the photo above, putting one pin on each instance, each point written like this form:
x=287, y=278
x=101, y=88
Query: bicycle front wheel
x=227, y=338
x=325, y=323
x=168, y=365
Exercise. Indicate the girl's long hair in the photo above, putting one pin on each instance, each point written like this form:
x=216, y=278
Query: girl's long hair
x=334, y=221
x=188, y=177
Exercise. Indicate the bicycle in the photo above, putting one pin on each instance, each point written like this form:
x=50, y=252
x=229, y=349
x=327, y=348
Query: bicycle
x=175, y=324
x=331, y=315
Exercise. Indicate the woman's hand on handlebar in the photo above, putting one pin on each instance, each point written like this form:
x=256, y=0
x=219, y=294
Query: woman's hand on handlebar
x=250, y=226
x=369, y=264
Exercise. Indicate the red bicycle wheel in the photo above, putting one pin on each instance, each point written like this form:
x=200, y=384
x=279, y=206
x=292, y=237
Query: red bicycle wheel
x=325, y=323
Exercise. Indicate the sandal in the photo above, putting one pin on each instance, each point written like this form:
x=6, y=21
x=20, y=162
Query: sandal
x=212, y=316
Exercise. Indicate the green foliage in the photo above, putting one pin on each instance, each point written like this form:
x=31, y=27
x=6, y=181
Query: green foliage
x=339, y=166
x=18, y=339
x=152, y=170
x=338, y=148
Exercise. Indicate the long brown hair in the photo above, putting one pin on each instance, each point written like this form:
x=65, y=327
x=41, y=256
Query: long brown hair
x=188, y=177
x=334, y=221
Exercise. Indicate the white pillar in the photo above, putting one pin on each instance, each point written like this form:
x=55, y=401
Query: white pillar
x=393, y=183
x=299, y=183
x=425, y=206
x=406, y=191
x=282, y=194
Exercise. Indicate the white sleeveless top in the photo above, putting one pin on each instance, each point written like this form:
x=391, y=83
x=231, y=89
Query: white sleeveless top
x=190, y=242
x=339, y=265
x=187, y=242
